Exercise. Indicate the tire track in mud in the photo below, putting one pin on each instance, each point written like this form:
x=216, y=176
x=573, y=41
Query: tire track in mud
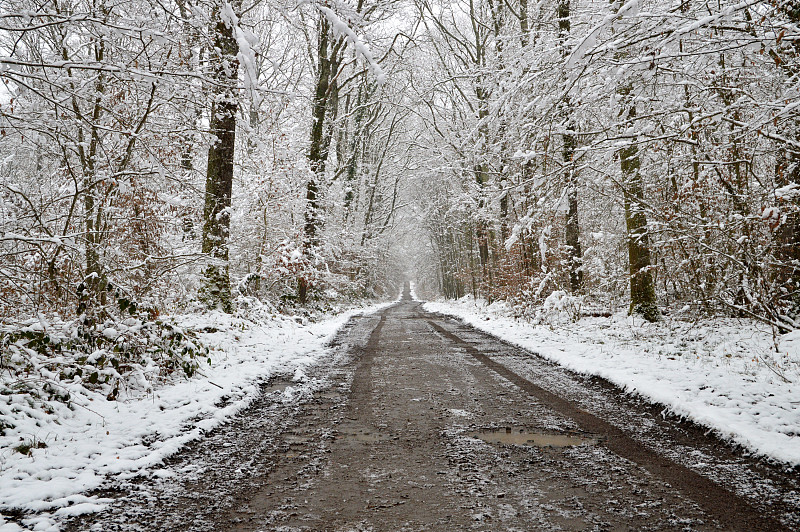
x=362, y=383
x=731, y=510
x=212, y=479
x=389, y=434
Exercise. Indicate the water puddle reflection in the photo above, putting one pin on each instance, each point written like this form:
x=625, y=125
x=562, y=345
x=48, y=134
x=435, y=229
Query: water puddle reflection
x=517, y=436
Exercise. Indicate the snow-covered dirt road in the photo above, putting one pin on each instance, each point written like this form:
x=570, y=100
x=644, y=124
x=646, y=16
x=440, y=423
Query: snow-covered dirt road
x=418, y=422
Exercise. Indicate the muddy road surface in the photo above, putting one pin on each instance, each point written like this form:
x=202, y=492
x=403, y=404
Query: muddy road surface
x=418, y=422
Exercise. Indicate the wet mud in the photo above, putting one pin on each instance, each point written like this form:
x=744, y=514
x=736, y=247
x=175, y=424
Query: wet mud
x=509, y=436
x=418, y=422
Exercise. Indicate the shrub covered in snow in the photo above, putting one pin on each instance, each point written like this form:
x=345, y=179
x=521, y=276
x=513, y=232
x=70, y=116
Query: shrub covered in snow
x=42, y=361
x=559, y=307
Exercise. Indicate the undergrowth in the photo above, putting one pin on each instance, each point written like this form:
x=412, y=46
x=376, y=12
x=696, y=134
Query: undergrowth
x=43, y=361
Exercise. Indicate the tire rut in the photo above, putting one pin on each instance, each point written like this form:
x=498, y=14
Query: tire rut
x=730, y=509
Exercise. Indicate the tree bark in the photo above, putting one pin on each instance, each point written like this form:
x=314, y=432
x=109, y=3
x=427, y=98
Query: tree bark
x=328, y=56
x=216, y=291
x=572, y=236
x=643, y=293
x=92, y=291
x=788, y=173
x=570, y=144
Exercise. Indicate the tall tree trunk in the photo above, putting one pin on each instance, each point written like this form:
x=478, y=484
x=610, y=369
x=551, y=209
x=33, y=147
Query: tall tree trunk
x=356, y=148
x=572, y=235
x=192, y=63
x=482, y=230
x=788, y=173
x=92, y=291
x=216, y=291
x=482, y=179
x=328, y=55
x=643, y=292
x=482, y=93
x=570, y=144
x=524, y=24
x=187, y=138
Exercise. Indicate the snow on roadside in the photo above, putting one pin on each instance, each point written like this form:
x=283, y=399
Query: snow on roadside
x=723, y=374
x=82, y=445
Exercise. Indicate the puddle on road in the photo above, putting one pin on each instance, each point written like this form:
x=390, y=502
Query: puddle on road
x=275, y=386
x=515, y=436
x=362, y=435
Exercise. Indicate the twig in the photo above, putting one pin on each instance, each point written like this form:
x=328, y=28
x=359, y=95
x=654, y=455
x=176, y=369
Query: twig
x=783, y=329
x=773, y=370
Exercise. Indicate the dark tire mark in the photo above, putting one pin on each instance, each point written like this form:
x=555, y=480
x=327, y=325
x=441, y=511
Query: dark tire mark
x=362, y=382
x=730, y=509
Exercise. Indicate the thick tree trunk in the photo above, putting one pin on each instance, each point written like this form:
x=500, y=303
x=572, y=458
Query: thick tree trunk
x=524, y=25
x=481, y=230
x=482, y=179
x=216, y=291
x=92, y=291
x=503, y=214
x=788, y=234
x=788, y=173
x=317, y=151
x=357, y=139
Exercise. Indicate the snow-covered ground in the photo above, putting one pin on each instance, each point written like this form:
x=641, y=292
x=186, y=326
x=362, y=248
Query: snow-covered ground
x=724, y=374
x=82, y=445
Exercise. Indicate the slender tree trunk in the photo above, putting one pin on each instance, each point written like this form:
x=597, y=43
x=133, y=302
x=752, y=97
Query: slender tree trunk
x=216, y=291
x=328, y=54
x=570, y=144
x=504, y=214
x=643, y=292
x=193, y=60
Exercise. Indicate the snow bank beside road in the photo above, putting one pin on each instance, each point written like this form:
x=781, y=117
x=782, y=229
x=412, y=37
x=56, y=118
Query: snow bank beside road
x=723, y=374
x=80, y=446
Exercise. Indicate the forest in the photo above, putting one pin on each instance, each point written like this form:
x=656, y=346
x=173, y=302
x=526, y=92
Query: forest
x=288, y=156
x=226, y=213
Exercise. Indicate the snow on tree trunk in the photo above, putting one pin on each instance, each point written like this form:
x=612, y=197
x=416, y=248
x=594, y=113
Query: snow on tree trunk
x=216, y=291
x=570, y=144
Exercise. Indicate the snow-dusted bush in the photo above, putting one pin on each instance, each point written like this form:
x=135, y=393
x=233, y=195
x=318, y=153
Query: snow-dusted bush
x=559, y=307
x=114, y=357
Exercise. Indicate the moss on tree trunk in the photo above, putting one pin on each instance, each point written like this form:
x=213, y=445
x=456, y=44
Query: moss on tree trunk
x=216, y=290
